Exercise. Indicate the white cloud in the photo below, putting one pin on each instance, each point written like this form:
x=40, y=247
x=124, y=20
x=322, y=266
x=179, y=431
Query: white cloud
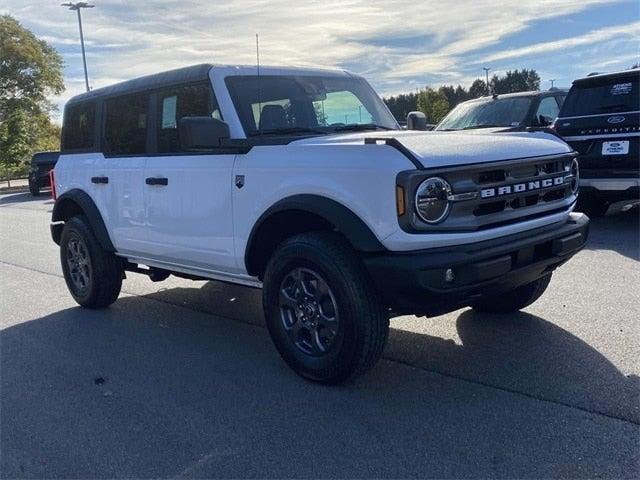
x=127, y=39
x=631, y=30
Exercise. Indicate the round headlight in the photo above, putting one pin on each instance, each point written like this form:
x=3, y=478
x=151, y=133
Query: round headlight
x=432, y=200
x=575, y=176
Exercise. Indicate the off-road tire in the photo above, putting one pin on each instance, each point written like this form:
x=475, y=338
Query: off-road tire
x=106, y=270
x=593, y=207
x=514, y=300
x=363, y=321
x=34, y=188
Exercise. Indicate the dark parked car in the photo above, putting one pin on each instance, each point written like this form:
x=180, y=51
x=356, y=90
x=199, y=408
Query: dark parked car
x=41, y=164
x=600, y=119
x=512, y=110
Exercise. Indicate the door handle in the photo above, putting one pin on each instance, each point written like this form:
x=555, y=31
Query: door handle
x=99, y=179
x=157, y=181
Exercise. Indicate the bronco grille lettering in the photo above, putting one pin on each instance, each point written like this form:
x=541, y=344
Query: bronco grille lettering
x=521, y=187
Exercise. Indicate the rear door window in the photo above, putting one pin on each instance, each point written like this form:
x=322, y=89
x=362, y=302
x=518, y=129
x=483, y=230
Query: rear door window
x=125, y=131
x=178, y=102
x=79, y=126
x=601, y=96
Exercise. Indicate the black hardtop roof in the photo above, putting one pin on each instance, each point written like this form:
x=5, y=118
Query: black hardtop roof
x=46, y=154
x=597, y=78
x=193, y=73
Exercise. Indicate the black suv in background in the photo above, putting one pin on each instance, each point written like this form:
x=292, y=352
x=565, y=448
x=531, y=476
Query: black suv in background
x=600, y=119
x=512, y=110
x=41, y=164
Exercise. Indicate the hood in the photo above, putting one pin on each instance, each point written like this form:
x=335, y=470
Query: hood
x=437, y=149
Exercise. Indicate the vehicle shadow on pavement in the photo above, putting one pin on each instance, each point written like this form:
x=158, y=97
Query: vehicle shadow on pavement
x=142, y=390
x=516, y=352
x=524, y=353
x=619, y=232
x=26, y=197
x=17, y=198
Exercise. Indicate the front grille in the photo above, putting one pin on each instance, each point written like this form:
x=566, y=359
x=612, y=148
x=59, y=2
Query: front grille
x=493, y=194
x=515, y=191
x=519, y=175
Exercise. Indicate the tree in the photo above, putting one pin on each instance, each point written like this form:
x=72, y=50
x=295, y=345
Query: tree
x=454, y=95
x=515, y=81
x=402, y=104
x=30, y=71
x=433, y=103
x=478, y=89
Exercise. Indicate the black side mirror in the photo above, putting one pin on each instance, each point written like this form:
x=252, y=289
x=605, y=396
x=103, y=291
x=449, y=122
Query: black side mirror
x=416, y=121
x=544, y=121
x=202, y=133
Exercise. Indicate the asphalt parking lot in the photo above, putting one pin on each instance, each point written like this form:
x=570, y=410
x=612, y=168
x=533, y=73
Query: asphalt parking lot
x=179, y=379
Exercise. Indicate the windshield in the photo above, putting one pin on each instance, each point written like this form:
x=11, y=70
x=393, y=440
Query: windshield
x=502, y=112
x=608, y=95
x=307, y=104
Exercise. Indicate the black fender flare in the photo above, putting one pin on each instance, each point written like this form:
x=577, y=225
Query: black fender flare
x=340, y=217
x=72, y=201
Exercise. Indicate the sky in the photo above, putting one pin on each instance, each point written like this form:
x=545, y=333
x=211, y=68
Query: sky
x=397, y=45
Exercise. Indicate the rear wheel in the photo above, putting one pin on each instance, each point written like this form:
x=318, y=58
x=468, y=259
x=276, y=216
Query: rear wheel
x=93, y=275
x=321, y=309
x=514, y=300
x=34, y=188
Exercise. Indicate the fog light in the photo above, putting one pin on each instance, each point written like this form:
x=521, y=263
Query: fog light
x=449, y=276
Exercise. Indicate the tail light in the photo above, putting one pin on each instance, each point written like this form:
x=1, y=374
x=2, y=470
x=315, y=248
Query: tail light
x=52, y=182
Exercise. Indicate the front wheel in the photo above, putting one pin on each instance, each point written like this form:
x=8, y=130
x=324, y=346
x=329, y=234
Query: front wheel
x=513, y=300
x=321, y=309
x=594, y=207
x=93, y=275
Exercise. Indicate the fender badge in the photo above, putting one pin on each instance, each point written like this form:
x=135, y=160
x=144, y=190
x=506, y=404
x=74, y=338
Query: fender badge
x=239, y=181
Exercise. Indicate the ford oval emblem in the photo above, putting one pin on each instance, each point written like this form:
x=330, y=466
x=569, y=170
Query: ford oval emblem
x=616, y=119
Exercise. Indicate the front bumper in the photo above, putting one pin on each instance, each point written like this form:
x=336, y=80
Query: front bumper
x=610, y=184
x=415, y=282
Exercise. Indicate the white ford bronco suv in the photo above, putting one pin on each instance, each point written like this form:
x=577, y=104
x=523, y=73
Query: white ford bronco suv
x=300, y=182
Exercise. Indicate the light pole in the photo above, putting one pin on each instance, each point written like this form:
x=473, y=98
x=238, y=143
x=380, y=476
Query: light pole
x=77, y=6
x=486, y=71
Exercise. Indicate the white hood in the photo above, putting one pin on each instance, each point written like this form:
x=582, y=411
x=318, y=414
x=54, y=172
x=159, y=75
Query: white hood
x=435, y=149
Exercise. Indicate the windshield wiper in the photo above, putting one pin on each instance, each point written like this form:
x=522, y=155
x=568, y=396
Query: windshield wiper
x=354, y=127
x=472, y=127
x=287, y=130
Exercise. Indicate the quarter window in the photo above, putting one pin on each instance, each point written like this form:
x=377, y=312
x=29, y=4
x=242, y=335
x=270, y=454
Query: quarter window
x=79, y=126
x=125, y=131
x=547, y=110
x=179, y=102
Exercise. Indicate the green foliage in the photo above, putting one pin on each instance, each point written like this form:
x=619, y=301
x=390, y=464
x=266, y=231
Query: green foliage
x=454, y=95
x=401, y=105
x=478, y=89
x=30, y=71
x=515, y=81
x=433, y=103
